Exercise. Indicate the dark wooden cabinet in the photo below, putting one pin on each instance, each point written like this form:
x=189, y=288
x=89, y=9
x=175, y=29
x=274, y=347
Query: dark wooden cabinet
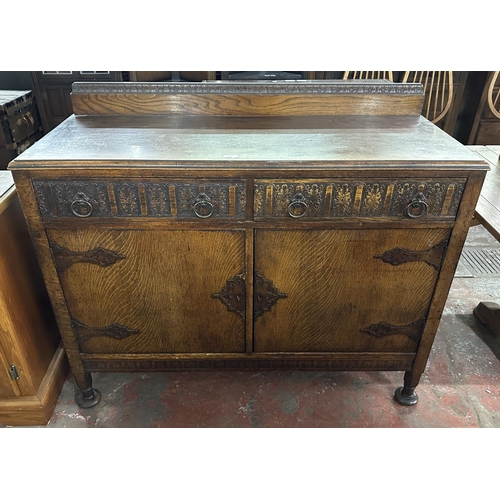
x=20, y=125
x=53, y=88
x=247, y=225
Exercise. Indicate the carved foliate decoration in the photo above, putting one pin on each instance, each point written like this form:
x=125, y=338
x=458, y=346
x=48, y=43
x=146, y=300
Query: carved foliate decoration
x=265, y=295
x=115, y=331
x=127, y=199
x=233, y=294
x=343, y=199
x=141, y=199
x=397, y=256
x=247, y=88
x=372, y=200
x=55, y=198
x=400, y=363
x=412, y=331
x=158, y=199
x=381, y=199
x=65, y=258
x=258, y=200
x=456, y=198
x=437, y=192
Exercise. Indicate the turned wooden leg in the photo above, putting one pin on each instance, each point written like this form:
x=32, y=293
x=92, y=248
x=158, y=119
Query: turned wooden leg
x=406, y=395
x=488, y=313
x=88, y=396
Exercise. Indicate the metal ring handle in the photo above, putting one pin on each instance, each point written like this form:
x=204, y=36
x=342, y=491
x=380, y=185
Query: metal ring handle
x=28, y=119
x=203, y=205
x=417, y=204
x=295, y=204
x=81, y=206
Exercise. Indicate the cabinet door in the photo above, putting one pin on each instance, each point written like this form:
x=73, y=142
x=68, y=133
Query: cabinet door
x=8, y=388
x=344, y=290
x=151, y=291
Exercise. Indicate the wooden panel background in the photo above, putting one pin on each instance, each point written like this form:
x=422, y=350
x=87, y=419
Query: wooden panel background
x=246, y=104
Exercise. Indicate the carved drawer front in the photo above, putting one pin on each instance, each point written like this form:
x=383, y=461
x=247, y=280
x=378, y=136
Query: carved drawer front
x=324, y=199
x=173, y=199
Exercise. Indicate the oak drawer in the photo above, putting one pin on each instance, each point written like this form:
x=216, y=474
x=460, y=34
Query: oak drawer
x=148, y=198
x=384, y=198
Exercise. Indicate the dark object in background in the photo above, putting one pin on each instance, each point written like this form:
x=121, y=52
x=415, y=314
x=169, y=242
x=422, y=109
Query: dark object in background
x=20, y=125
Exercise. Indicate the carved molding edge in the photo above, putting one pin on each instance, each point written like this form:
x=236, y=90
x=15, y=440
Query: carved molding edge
x=115, y=331
x=341, y=87
x=65, y=258
x=433, y=257
x=412, y=331
x=233, y=294
x=401, y=363
x=265, y=295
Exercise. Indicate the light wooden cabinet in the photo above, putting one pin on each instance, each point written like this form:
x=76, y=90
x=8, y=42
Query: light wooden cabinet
x=33, y=365
x=246, y=225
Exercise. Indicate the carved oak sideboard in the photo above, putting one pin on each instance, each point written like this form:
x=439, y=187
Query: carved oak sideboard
x=311, y=225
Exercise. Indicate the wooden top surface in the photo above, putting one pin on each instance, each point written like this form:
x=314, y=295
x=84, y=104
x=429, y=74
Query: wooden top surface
x=488, y=205
x=7, y=189
x=217, y=141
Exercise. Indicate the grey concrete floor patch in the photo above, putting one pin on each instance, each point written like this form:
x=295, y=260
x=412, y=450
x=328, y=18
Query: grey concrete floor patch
x=481, y=261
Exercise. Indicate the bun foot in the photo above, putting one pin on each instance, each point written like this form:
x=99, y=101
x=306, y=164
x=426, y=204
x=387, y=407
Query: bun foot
x=406, y=397
x=86, y=401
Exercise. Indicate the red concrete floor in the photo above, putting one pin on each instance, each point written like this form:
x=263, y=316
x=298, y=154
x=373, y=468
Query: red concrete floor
x=460, y=388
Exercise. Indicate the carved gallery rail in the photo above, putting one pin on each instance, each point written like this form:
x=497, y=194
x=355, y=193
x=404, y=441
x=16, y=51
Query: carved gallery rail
x=310, y=226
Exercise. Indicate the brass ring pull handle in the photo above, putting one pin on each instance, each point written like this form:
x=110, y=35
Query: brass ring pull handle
x=417, y=207
x=28, y=119
x=81, y=206
x=297, y=207
x=203, y=208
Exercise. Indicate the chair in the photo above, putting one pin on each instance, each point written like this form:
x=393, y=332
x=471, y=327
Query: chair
x=494, y=97
x=438, y=90
x=368, y=75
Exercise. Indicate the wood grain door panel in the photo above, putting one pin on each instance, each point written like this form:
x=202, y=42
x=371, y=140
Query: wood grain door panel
x=150, y=291
x=347, y=290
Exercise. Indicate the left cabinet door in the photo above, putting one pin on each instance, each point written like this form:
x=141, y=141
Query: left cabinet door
x=153, y=291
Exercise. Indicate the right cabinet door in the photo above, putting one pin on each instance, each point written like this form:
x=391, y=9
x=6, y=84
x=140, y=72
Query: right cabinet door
x=362, y=290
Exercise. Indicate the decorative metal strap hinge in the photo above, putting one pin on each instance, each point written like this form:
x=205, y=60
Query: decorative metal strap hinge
x=233, y=294
x=115, y=331
x=65, y=258
x=433, y=257
x=265, y=295
x=412, y=331
x=14, y=374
